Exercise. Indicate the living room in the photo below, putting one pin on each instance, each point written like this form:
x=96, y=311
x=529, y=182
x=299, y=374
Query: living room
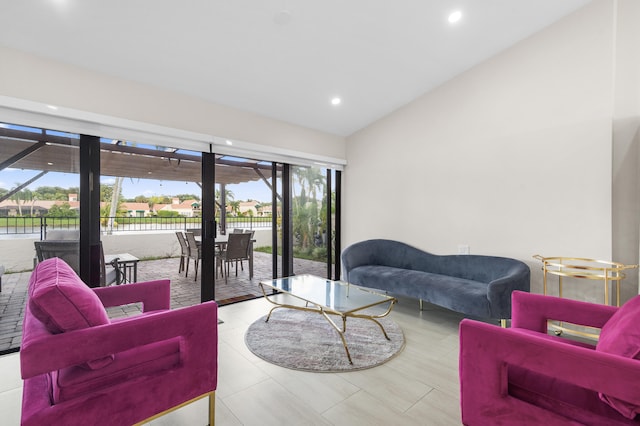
x=531, y=151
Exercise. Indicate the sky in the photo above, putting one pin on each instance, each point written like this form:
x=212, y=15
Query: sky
x=131, y=187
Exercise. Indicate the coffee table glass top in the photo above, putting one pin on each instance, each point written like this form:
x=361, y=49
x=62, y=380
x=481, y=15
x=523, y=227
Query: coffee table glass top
x=338, y=296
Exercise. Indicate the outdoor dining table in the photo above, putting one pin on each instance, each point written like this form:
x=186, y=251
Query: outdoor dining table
x=221, y=242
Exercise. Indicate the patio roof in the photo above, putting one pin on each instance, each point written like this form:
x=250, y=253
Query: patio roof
x=49, y=153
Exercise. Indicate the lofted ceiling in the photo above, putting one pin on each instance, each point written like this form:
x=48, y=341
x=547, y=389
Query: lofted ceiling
x=284, y=59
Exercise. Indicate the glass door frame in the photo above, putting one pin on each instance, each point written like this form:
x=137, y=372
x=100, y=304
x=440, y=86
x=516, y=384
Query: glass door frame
x=209, y=227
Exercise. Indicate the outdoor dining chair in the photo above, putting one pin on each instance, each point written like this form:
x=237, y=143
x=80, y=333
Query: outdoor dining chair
x=184, y=251
x=237, y=248
x=195, y=253
x=249, y=252
x=69, y=251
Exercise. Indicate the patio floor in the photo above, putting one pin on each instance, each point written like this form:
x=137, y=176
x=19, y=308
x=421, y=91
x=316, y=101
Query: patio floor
x=184, y=290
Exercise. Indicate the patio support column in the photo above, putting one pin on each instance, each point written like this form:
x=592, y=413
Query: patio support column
x=90, y=254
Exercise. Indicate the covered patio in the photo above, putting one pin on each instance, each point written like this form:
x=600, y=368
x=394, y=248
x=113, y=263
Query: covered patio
x=46, y=152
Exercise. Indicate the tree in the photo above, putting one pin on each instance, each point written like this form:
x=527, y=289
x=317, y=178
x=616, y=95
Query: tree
x=235, y=207
x=183, y=197
x=31, y=197
x=228, y=199
x=62, y=210
x=307, y=223
x=228, y=195
x=153, y=200
x=106, y=192
x=17, y=197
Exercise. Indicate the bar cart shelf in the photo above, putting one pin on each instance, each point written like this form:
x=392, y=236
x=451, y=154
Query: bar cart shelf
x=610, y=273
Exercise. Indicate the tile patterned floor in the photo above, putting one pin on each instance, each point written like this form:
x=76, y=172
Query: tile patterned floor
x=418, y=387
x=185, y=291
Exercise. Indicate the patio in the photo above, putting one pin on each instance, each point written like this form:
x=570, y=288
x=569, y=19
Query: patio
x=184, y=290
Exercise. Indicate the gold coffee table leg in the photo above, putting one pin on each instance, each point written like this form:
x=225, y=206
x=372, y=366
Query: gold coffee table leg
x=340, y=331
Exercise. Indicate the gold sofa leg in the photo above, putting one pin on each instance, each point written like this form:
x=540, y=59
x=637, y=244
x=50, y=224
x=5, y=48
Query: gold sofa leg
x=503, y=323
x=212, y=409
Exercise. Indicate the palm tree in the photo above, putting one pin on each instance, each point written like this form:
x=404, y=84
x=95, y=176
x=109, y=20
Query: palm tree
x=153, y=200
x=228, y=198
x=306, y=218
x=32, y=196
x=17, y=196
x=235, y=207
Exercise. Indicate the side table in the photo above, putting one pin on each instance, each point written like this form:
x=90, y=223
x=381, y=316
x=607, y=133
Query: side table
x=126, y=266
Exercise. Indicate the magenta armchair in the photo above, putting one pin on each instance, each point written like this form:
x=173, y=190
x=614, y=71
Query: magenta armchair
x=81, y=368
x=525, y=376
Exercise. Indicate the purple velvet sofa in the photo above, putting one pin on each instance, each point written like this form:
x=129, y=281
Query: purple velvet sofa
x=475, y=285
x=81, y=368
x=525, y=376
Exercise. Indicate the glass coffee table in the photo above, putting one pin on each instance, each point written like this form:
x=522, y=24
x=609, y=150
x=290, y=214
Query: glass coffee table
x=330, y=298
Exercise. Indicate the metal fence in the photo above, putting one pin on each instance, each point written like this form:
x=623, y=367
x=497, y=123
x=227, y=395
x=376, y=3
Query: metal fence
x=113, y=225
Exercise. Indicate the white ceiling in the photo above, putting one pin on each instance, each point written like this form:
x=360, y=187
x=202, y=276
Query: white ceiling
x=377, y=55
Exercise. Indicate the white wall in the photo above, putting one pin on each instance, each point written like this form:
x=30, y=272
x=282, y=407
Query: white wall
x=626, y=140
x=513, y=158
x=37, y=79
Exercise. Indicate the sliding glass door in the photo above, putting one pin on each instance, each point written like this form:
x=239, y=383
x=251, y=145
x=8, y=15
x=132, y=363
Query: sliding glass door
x=314, y=197
x=244, y=192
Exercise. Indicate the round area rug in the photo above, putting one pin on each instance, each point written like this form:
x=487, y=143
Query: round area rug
x=306, y=341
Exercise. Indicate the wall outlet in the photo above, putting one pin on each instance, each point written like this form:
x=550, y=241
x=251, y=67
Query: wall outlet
x=464, y=249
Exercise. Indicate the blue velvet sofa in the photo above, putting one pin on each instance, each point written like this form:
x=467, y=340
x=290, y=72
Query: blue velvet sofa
x=474, y=285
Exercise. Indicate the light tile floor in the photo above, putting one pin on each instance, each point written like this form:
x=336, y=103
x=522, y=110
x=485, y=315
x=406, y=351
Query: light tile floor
x=418, y=387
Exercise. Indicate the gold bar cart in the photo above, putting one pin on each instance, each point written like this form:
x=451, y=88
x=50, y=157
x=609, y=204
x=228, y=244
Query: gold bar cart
x=582, y=268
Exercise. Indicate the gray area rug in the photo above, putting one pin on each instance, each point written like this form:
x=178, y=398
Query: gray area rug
x=306, y=341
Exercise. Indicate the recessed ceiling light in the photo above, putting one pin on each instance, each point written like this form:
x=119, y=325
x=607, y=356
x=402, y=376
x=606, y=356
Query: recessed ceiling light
x=336, y=101
x=283, y=17
x=455, y=16
x=53, y=107
x=229, y=142
x=49, y=164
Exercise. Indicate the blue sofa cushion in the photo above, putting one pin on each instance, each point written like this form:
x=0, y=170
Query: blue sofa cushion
x=457, y=294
